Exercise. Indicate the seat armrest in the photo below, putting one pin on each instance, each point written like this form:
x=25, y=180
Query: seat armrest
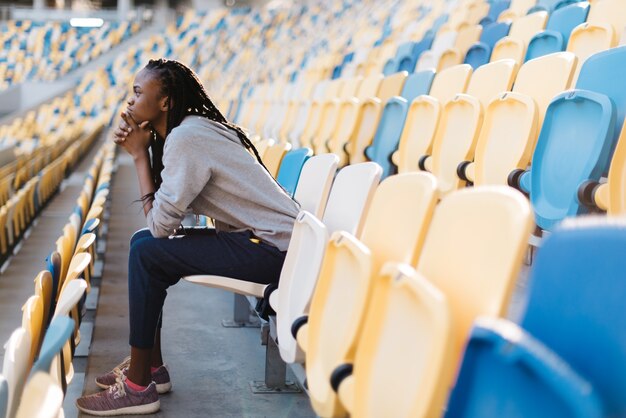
x=297, y=324
x=342, y=382
x=422, y=162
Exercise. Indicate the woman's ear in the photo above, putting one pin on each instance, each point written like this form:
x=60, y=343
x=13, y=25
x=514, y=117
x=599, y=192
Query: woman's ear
x=165, y=103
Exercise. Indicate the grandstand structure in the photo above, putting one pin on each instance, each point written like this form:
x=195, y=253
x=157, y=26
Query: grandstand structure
x=461, y=170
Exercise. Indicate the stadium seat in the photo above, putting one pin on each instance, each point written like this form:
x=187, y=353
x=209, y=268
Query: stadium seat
x=518, y=8
x=496, y=7
x=57, y=336
x=43, y=289
x=467, y=36
x=33, y=323
x=42, y=398
x=15, y=367
x=387, y=135
x=401, y=208
x=273, y=156
x=461, y=122
x=515, y=43
x=518, y=117
x=423, y=116
x=290, y=168
x=403, y=365
x=576, y=288
x=574, y=146
x=369, y=116
x=417, y=84
x=480, y=52
x=560, y=25
x=442, y=42
x=315, y=182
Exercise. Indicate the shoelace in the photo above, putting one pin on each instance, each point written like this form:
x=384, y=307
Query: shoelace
x=119, y=369
x=118, y=390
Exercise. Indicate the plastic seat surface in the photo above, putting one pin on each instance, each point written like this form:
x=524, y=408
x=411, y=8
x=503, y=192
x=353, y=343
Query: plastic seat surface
x=388, y=134
x=403, y=365
x=556, y=36
x=480, y=53
x=42, y=398
x=575, y=290
x=290, y=168
x=57, y=334
x=514, y=45
x=315, y=182
x=335, y=318
x=417, y=84
x=574, y=146
x=15, y=367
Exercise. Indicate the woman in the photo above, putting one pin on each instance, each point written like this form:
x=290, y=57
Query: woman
x=204, y=163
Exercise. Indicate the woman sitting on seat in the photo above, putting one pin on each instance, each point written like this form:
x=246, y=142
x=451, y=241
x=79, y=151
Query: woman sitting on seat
x=202, y=162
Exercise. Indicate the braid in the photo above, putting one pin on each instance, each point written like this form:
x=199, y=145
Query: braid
x=187, y=96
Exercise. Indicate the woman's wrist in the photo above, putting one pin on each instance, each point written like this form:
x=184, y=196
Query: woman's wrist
x=141, y=157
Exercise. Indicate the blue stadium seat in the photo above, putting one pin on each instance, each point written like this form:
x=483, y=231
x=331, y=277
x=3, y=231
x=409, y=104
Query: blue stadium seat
x=556, y=35
x=600, y=74
x=495, y=9
x=479, y=53
x=417, y=84
x=551, y=5
x=573, y=147
x=407, y=55
x=568, y=356
x=57, y=334
x=290, y=168
x=388, y=134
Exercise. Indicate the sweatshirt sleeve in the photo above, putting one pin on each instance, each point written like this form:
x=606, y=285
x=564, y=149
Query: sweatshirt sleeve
x=186, y=172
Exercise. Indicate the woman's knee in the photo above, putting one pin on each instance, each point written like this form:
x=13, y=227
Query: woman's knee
x=140, y=234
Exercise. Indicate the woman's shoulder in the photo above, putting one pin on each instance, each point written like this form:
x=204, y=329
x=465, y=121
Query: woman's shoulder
x=198, y=127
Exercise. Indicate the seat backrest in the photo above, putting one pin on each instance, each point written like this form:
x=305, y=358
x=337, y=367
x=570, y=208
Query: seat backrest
x=314, y=183
x=477, y=279
x=395, y=227
x=611, y=12
x=507, y=138
x=522, y=30
x=72, y=291
x=576, y=288
x=274, y=156
x=449, y=82
x=43, y=289
x=298, y=278
x=391, y=86
x=388, y=134
x=560, y=25
x=15, y=367
x=544, y=77
x=347, y=121
x=491, y=79
x=574, y=146
x=57, y=334
x=42, y=397
x=290, y=168
x=369, y=86
x=417, y=84
x=599, y=73
x=350, y=197
x=32, y=322
x=350, y=87
x=404, y=364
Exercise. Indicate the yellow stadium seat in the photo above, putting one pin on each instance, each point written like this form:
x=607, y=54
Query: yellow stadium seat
x=517, y=8
x=348, y=117
x=404, y=364
x=42, y=398
x=394, y=230
x=423, y=116
x=273, y=156
x=43, y=289
x=370, y=113
x=15, y=367
x=461, y=121
x=33, y=323
x=522, y=30
x=467, y=36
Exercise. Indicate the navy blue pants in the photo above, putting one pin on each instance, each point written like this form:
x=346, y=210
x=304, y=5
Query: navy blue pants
x=157, y=263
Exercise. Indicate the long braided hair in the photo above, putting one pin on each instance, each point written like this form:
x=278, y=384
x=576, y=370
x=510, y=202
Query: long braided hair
x=186, y=96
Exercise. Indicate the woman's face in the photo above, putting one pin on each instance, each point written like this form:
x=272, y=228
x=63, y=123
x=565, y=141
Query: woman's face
x=147, y=103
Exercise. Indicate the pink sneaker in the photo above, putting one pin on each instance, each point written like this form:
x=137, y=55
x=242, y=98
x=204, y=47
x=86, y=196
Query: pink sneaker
x=160, y=376
x=119, y=399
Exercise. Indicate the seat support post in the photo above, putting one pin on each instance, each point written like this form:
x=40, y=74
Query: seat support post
x=275, y=373
x=241, y=315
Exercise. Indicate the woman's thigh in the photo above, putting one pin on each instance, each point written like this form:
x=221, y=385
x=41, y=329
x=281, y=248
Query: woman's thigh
x=224, y=254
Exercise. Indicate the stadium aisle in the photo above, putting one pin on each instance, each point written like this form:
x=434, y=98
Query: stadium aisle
x=16, y=282
x=210, y=366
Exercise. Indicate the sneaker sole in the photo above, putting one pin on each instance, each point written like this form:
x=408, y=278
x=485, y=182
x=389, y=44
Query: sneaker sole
x=161, y=388
x=150, y=408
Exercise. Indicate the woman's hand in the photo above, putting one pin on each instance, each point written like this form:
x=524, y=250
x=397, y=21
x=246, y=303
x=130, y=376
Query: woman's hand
x=133, y=137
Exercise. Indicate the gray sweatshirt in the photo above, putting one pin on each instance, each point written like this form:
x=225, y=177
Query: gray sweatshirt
x=207, y=169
